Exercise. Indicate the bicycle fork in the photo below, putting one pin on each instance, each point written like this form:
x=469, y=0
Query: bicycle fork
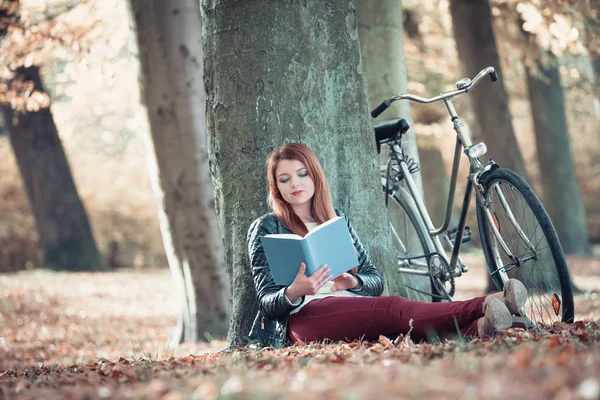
x=525, y=319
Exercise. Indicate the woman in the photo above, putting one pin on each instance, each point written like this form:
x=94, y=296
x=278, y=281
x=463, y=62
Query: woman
x=349, y=307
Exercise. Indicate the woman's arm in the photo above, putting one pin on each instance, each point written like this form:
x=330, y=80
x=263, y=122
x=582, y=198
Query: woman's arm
x=271, y=297
x=370, y=281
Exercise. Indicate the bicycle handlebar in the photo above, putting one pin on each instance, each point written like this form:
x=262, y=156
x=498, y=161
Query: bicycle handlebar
x=463, y=85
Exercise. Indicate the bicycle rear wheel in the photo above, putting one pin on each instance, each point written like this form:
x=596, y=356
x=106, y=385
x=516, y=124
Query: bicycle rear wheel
x=519, y=242
x=412, y=245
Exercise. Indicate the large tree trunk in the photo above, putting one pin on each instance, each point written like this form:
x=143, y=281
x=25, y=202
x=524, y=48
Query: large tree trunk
x=169, y=37
x=278, y=72
x=63, y=227
x=382, y=48
x=562, y=197
x=476, y=45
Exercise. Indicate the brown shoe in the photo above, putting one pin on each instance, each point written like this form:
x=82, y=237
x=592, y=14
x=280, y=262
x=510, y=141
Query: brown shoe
x=515, y=295
x=497, y=317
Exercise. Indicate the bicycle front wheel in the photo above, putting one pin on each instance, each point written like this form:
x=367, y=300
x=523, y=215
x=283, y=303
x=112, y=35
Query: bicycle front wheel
x=412, y=246
x=519, y=242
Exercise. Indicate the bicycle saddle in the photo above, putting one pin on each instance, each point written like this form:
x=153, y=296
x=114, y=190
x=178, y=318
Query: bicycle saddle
x=389, y=129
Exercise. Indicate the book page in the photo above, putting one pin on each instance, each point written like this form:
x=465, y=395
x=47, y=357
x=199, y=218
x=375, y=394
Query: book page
x=323, y=225
x=332, y=245
x=285, y=236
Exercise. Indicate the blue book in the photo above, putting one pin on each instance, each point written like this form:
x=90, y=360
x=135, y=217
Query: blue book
x=329, y=243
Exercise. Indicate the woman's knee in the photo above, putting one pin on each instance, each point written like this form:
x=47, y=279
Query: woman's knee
x=397, y=303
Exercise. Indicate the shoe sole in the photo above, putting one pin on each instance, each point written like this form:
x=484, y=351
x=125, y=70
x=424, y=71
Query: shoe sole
x=499, y=315
x=520, y=293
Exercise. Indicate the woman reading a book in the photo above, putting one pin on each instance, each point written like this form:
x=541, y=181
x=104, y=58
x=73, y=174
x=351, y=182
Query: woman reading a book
x=349, y=307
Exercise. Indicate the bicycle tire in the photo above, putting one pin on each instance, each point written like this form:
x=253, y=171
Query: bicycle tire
x=408, y=230
x=544, y=271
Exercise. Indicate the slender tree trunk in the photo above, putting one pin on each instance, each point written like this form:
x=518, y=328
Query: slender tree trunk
x=476, y=45
x=382, y=48
x=278, y=72
x=438, y=184
x=169, y=37
x=63, y=227
x=596, y=64
x=592, y=33
x=594, y=54
x=562, y=197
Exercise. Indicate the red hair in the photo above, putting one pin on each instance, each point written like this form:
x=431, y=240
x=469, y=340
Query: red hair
x=322, y=207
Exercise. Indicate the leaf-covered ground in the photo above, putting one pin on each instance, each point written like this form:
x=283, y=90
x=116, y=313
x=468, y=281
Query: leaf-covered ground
x=98, y=336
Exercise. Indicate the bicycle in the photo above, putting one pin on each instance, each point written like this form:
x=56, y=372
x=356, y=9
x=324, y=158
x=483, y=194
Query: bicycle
x=517, y=236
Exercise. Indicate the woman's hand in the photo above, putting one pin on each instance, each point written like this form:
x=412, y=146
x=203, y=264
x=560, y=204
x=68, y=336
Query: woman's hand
x=304, y=285
x=344, y=281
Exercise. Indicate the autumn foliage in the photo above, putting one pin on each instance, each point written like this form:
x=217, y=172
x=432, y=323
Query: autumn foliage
x=90, y=335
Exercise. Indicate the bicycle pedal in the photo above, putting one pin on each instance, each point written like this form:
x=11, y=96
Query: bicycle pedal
x=452, y=234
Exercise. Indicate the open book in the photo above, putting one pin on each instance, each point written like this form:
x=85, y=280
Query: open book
x=329, y=243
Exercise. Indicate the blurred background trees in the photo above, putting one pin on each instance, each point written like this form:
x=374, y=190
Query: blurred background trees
x=100, y=124
x=64, y=233
x=546, y=98
x=557, y=27
x=476, y=47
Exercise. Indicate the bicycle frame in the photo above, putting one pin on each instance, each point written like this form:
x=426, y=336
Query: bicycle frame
x=463, y=142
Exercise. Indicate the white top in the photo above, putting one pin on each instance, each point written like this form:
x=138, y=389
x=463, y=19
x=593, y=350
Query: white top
x=311, y=225
x=325, y=290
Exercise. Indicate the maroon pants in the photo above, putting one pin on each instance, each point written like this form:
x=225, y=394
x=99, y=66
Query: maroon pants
x=352, y=318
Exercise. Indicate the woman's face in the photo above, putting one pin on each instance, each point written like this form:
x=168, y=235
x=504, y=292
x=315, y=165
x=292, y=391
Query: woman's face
x=295, y=185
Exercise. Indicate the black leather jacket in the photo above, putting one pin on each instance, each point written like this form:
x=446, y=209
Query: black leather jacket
x=270, y=324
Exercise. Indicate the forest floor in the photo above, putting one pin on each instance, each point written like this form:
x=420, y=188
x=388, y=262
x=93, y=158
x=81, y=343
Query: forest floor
x=93, y=336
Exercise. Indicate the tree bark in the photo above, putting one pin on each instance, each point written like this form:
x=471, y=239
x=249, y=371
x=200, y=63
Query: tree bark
x=380, y=34
x=278, y=72
x=382, y=48
x=476, y=45
x=169, y=37
x=63, y=227
x=562, y=197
